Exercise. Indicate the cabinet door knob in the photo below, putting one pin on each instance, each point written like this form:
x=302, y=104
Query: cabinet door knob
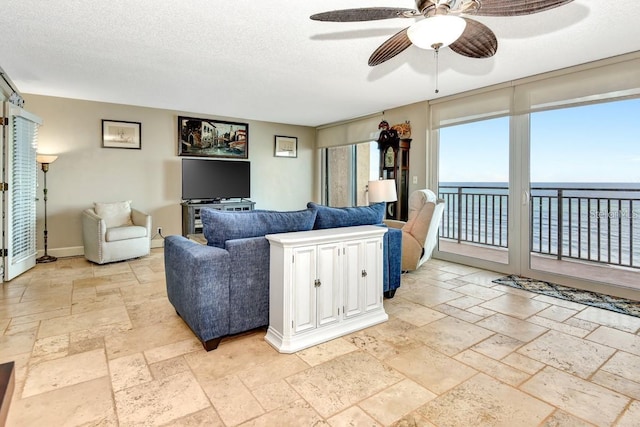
x=364, y=273
x=317, y=283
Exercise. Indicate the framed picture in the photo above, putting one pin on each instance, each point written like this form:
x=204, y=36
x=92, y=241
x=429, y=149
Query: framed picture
x=119, y=134
x=212, y=138
x=286, y=146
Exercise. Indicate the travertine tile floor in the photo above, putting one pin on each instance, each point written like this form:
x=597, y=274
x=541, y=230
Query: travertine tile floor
x=102, y=346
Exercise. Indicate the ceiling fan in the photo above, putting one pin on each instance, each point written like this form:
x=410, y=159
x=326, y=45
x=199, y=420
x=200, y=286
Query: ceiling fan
x=442, y=25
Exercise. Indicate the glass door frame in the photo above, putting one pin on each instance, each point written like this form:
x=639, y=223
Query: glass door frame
x=519, y=244
x=516, y=185
x=513, y=265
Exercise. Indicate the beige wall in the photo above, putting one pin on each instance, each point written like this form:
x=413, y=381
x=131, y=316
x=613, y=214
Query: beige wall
x=417, y=114
x=85, y=172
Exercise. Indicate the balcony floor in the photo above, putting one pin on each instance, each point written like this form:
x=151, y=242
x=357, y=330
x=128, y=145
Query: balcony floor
x=587, y=271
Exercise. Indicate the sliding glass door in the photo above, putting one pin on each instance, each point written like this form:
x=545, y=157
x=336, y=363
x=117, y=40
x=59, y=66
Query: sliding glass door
x=552, y=194
x=347, y=170
x=585, y=192
x=474, y=183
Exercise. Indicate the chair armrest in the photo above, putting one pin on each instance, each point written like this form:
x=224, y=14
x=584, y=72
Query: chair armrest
x=411, y=252
x=142, y=219
x=393, y=223
x=92, y=225
x=94, y=230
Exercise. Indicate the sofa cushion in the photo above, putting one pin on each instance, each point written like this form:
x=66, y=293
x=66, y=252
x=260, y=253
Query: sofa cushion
x=219, y=226
x=330, y=217
x=115, y=214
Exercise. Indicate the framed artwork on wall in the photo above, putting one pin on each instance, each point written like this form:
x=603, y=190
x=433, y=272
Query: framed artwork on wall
x=212, y=138
x=121, y=134
x=286, y=146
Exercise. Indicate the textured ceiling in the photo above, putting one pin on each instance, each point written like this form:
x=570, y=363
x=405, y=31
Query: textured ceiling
x=268, y=61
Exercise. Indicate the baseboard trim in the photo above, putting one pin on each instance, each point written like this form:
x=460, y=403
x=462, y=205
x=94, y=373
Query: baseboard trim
x=79, y=250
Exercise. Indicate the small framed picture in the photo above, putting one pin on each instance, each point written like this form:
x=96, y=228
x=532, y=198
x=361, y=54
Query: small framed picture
x=286, y=146
x=119, y=134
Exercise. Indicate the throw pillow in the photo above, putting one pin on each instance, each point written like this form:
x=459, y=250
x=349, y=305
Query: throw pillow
x=330, y=217
x=115, y=214
x=219, y=226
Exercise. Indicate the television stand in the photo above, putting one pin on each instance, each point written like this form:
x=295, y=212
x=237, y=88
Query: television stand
x=191, y=222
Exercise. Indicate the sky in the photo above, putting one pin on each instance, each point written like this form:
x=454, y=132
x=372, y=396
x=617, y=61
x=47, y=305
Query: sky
x=593, y=143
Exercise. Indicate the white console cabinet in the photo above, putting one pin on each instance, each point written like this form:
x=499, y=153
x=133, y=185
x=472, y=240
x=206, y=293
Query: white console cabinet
x=324, y=284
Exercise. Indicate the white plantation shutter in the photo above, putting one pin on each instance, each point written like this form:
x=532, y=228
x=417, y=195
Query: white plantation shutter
x=23, y=189
x=19, y=204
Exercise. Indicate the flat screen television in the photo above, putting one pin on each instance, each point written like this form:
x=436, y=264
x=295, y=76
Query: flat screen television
x=215, y=179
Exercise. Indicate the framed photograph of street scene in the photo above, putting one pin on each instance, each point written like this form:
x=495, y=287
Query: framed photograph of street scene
x=212, y=138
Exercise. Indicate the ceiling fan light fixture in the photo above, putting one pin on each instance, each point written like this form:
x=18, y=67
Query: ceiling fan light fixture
x=439, y=30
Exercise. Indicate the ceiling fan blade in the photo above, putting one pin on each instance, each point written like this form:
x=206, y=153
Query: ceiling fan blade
x=515, y=7
x=390, y=48
x=477, y=41
x=363, y=14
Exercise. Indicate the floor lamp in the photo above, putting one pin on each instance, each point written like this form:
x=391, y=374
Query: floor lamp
x=44, y=161
x=382, y=190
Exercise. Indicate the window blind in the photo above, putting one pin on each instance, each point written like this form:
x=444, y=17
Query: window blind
x=607, y=79
x=23, y=188
x=355, y=131
x=471, y=108
x=602, y=81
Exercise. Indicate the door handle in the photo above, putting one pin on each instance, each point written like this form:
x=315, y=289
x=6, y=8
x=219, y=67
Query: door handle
x=525, y=198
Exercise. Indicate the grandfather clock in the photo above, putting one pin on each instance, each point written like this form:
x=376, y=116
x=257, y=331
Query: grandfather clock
x=394, y=164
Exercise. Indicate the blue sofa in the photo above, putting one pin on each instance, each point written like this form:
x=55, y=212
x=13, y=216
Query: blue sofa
x=223, y=288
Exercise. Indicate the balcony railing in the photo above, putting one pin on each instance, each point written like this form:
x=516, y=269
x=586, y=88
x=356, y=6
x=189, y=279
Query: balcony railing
x=599, y=223
x=475, y=214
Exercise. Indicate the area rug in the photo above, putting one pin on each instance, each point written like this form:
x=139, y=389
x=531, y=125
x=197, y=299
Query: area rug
x=607, y=302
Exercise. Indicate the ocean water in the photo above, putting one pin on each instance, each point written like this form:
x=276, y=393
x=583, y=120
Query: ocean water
x=590, y=221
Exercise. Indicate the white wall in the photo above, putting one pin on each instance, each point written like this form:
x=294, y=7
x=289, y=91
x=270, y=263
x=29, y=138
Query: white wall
x=151, y=177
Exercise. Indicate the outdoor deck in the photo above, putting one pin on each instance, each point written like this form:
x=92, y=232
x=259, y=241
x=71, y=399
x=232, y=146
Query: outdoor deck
x=618, y=276
x=590, y=233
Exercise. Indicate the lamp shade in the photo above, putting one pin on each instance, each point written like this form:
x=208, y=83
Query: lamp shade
x=439, y=30
x=45, y=158
x=383, y=190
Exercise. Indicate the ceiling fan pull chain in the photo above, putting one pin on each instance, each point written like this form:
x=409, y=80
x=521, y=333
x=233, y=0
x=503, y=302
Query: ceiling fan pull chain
x=436, y=50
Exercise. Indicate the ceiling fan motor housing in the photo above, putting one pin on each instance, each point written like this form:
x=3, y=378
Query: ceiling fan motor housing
x=424, y=5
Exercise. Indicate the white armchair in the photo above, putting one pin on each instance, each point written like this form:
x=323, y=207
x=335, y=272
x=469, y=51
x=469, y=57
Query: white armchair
x=115, y=232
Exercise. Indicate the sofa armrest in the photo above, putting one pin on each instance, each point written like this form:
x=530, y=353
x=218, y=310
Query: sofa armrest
x=197, y=279
x=393, y=257
x=249, y=283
